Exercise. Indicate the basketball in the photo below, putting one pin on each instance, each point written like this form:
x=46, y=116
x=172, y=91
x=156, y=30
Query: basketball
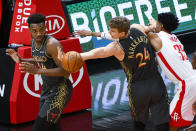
x=72, y=61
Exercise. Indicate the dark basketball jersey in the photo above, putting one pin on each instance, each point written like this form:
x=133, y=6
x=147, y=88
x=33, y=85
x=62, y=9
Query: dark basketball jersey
x=138, y=62
x=44, y=61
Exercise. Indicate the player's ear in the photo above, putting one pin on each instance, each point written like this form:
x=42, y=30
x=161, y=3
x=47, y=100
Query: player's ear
x=122, y=34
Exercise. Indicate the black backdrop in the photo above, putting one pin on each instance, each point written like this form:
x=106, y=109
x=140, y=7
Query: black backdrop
x=5, y=27
x=6, y=76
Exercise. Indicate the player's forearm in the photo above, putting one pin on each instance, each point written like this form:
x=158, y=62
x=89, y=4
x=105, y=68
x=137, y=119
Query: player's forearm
x=53, y=72
x=31, y=60
x=148, y=29
x=93, y=54
x=144, y=29
x=97, y=34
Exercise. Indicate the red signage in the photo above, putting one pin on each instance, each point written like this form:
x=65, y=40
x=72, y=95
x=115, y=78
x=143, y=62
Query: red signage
x=56, y=23
x=26, y=88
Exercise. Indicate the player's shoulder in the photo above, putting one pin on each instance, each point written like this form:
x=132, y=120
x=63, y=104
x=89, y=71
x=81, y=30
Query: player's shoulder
x=115, y=44
x=137, y=28
x=53, y=41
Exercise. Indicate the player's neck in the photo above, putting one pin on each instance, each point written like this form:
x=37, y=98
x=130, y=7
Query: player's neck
x=124, y=36
x=166, y=31
x=38, y=44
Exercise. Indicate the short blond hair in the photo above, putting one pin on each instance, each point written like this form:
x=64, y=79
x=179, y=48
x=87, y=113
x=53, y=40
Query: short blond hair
x=121, y=23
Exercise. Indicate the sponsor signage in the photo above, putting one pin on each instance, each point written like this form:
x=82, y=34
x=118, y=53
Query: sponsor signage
x=2, y=90
x=35, y=89
x=56, y=23
x=95, y=14
x=109, y=90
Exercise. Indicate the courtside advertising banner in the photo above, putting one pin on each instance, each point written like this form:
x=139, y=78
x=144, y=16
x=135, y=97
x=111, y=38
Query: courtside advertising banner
x=56, y=24
x=95, y=14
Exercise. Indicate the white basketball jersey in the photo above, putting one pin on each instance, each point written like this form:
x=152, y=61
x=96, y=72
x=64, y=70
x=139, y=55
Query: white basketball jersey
x=173, y=59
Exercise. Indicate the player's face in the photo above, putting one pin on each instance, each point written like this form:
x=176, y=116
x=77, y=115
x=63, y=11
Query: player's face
x=156, y=24
x=116, y=34
x=38, y=31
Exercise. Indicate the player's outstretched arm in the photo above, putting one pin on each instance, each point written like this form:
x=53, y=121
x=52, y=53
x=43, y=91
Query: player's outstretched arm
x=105, y=35
x=155, y=41
x=101, y=52
x=144, y=29
x=14, y=55
x=111, y=49
x=87, y=33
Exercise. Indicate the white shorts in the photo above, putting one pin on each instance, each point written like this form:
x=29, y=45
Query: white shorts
x=181, y=106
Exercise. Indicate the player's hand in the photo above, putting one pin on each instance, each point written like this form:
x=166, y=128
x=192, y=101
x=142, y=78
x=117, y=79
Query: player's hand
x=82, y=33
x=28, y=67
x=152, y=25
x=60, y=54
x=14, y=55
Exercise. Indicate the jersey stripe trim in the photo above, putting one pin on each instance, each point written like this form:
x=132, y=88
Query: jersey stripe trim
x=176, y=116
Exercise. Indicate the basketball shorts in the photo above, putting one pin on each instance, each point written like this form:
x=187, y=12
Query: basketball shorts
x=181, y=106
x=149, y=97
x=54, y=99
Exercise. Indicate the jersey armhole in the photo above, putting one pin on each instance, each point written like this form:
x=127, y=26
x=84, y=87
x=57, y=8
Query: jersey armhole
x=122, y=49
x=46, y=41
x=162, y=47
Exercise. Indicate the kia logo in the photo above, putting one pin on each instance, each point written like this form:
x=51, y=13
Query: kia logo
x=54, y=24
x=38, y=81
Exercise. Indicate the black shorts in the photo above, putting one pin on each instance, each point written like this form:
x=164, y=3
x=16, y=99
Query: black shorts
x=53, y=100
x=149, y=96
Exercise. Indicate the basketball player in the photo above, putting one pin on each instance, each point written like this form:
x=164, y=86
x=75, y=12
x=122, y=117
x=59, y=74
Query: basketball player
x=146, y=88
x=56, y=88
x=176, y=66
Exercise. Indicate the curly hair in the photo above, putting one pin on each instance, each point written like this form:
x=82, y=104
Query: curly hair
x=170, y=21
x=121, y=23
x=35, y=19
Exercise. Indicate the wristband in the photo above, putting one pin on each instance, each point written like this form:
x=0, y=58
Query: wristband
x=91, y=33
